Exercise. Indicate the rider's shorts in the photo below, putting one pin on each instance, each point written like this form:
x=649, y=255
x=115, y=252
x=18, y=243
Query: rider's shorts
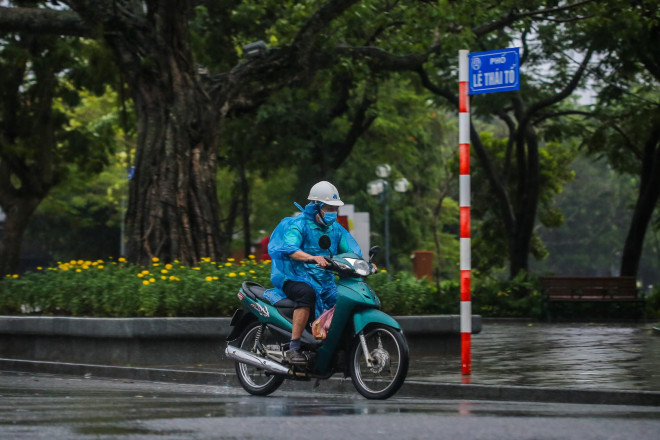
x=300, y=292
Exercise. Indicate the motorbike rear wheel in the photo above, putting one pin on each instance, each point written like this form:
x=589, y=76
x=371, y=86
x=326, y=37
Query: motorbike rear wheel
x=389, y=352
x=255, y=380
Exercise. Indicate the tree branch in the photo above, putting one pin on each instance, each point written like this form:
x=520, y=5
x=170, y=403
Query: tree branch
x=251, y=82
x=381, y=60
x=563, y=94
x=43, y=21
x=513, y=16
x=361, y=124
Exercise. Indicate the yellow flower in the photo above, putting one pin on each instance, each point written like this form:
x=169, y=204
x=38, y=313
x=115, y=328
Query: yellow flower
x=85, y=267
x=251, y=271
x=100, y=266
x=40, y=268
x=78, y=270
x=231, y=259
x=152, y=280
x=251, y=257
x=242, y=274
x=15, y=276
x=231, y=275
x=122, y=260
x=383, y=271
x=196, y=268
x=163, y=277
x=208, y=279
x=145, y=272
x=156, y=264
x=80, y=262
x=227, y=264
x=206, y=260
x=155, y=259
x=168, y=266
x=163, y=271
x=140, y=275
x=145, y=282
x=215, y=278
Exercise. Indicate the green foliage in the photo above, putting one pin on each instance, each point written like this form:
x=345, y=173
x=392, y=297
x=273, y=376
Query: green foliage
x=596, y=206
x=117, y=289
x=81, y=216
x=519, y=297
x=653, y=304
x=403, y=294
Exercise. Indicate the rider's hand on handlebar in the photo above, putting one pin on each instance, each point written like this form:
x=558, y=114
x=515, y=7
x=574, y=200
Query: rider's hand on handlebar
x=321, y=261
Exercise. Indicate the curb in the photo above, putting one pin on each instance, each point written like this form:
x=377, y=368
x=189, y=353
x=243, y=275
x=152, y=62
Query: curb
x=173, y=328
x=410, y=389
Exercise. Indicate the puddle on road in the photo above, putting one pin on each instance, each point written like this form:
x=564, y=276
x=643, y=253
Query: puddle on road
x=548, y=355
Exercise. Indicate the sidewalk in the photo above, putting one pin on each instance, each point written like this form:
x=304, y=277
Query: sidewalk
x=587, y=356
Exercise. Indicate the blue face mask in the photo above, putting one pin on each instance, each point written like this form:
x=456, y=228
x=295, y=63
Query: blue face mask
x=329, y=218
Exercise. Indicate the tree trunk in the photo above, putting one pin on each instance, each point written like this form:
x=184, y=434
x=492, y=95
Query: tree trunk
x=649, y=194
x=18, y=215
x=173, y=210
x=528, y=194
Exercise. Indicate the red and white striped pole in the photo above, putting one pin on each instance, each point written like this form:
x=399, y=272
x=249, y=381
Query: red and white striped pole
x=464, y=203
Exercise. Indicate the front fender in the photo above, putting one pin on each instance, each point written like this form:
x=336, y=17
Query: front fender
x=370, y=316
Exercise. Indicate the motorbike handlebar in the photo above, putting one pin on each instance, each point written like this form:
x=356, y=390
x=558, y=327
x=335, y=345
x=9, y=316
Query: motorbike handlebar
x=310, y=261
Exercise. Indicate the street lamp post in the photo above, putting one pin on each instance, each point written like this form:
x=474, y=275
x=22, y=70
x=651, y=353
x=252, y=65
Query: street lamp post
x=380, y=188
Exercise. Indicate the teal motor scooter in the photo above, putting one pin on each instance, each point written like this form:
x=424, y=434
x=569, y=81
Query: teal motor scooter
x=362, y=342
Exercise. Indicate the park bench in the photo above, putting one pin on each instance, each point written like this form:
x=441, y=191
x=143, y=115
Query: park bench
x=570, y=289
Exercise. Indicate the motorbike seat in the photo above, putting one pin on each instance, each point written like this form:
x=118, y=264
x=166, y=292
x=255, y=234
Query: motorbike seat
x=256, y=291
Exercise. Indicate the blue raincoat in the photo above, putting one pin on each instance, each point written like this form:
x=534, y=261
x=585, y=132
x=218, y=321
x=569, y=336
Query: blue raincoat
x=302, y=233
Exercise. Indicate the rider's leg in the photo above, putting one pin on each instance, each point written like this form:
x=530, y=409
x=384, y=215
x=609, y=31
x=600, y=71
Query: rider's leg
x=305, y=296
x=300, y=318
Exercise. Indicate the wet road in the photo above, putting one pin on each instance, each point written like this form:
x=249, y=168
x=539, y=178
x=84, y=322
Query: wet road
x=553, y=355
x=41, y=406
x=592, y=356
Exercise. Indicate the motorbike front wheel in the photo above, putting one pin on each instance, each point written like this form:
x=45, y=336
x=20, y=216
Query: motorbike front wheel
x=389, y=353
x=255, y=380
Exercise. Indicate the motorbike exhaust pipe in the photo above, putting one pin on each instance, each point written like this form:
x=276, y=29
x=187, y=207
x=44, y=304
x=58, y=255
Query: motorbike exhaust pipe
x=252, y=359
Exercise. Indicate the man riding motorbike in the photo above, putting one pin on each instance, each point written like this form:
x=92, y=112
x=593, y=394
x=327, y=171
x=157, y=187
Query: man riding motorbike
x=293, y=245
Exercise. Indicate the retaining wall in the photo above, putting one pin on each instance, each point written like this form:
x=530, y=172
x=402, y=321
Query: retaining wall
x=171, y=341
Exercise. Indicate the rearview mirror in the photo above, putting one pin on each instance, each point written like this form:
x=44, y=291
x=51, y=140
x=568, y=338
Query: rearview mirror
x=373, y=251
x=324, y=242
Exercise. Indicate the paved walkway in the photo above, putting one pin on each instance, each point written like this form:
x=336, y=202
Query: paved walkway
x=594, y=356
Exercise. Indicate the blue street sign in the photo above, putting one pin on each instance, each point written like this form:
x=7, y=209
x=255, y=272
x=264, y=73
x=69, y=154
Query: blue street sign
x=494, y=71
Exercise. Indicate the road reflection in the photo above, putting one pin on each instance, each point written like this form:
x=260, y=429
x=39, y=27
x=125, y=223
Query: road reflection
x=552, y=355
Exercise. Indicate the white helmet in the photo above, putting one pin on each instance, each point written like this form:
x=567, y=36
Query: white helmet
x=325, y=192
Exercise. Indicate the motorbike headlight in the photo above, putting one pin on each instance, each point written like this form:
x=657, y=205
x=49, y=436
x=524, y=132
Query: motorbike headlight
x=362, y=268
